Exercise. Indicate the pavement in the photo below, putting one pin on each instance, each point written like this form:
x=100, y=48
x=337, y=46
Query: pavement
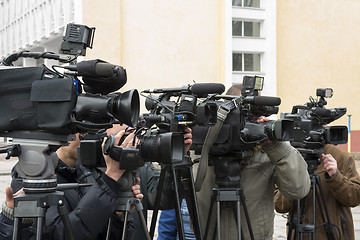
x=279, y=223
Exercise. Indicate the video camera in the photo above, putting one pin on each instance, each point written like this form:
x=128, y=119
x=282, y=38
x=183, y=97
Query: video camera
x=160, y=132
x=41, y=107
x=310, y=130
x=241, y=129
x=237, y=132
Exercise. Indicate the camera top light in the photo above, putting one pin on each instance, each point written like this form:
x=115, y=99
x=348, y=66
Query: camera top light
x=324, y=92
x=259, y=82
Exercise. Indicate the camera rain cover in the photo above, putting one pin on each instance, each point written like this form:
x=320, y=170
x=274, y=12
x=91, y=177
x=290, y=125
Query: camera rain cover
x=33, y=98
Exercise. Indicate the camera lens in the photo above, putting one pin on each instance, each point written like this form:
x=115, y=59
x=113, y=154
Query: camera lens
x=126, y=107
x=164, y=148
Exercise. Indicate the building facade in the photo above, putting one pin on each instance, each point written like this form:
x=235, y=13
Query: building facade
x=297, y=46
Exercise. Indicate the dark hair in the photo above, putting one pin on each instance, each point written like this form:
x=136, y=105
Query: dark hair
x=234, y=90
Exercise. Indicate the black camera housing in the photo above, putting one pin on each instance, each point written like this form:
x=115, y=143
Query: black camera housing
x=311, y=119
x=241, y=130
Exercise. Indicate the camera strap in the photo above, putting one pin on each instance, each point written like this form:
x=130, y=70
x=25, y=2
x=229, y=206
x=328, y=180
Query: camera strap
x=211, y=135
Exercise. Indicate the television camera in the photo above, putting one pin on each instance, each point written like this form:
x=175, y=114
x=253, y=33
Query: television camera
x=43, y=108
x=161, y=139
x=311, y=132
x=44, y=105
x=231, y=142
x=241, y=129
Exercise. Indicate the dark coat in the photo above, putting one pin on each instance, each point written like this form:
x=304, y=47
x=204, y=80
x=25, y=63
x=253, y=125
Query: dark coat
x=341, y=192
x=89, y=208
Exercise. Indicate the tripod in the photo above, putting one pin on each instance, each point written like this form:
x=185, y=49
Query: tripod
x=228, y=191
x=37, y=162
x=180, y=170
x=297, y=228
x=34, y=205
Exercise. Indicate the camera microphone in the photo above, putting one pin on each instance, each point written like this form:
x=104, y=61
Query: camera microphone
x=96, y=68
x=100, y=76
x=263, y=100
x=197, y=89
x=165, y=90
x=207, y=88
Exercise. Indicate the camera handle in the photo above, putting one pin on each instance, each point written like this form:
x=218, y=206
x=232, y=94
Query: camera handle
x=126, y=199
x=297, y=228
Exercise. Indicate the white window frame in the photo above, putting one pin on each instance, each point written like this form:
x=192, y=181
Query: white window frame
x=242, y=5
x=243, y=27
x=243, y=63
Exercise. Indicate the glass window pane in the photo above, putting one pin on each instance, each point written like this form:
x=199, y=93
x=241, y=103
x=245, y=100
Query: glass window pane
x=237, y=62
x=252, y=62
x=236, y=3
x=237, y=28
x=252, y=29
x=252, y=3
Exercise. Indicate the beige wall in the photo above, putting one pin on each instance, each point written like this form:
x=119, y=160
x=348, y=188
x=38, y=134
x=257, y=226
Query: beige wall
x=318, y=45
x=161, y=43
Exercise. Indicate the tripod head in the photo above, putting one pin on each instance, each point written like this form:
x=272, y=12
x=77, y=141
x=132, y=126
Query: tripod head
x=227, y=168
x=37, y=158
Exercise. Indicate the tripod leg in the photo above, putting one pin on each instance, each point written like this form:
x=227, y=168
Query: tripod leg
x=108, y=230
x=323, y=210
x=238, y=219
x=179, y=222
x=125, y=225
x=218, y=219
x=157, y=201
x=65, y=218
x=39, y=227
x=290, y=224
x=143, y=223
x=190, y=195
x=242, y=197
x=17, y=229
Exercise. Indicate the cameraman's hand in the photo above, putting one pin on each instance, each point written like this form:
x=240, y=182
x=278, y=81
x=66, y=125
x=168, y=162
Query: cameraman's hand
x=330, y=164
x=116, y=128
x=112, y=166
x=9, y=198
x=187, y=138
x=261, y=119
x=136, y=191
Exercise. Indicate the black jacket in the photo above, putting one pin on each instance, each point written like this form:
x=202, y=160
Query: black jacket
x=89, y=207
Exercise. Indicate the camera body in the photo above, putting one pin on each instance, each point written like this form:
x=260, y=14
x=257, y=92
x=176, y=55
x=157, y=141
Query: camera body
x=311, y=132
x=310, y=122
x=241, y=130
x=41, y=107
x=160, y=132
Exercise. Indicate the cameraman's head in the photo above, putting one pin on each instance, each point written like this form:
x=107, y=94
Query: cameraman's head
x=234, y=90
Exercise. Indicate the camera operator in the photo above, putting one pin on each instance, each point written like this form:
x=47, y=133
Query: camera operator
x=89, y=207
x=149, y=175
x=270, y=163
x=340, y=183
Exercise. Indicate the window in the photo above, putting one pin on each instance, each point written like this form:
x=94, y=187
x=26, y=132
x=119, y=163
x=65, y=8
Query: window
x=246, y=3
x=247, y=62
x=237, y=28
x=245, y=29
x=237, y=62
